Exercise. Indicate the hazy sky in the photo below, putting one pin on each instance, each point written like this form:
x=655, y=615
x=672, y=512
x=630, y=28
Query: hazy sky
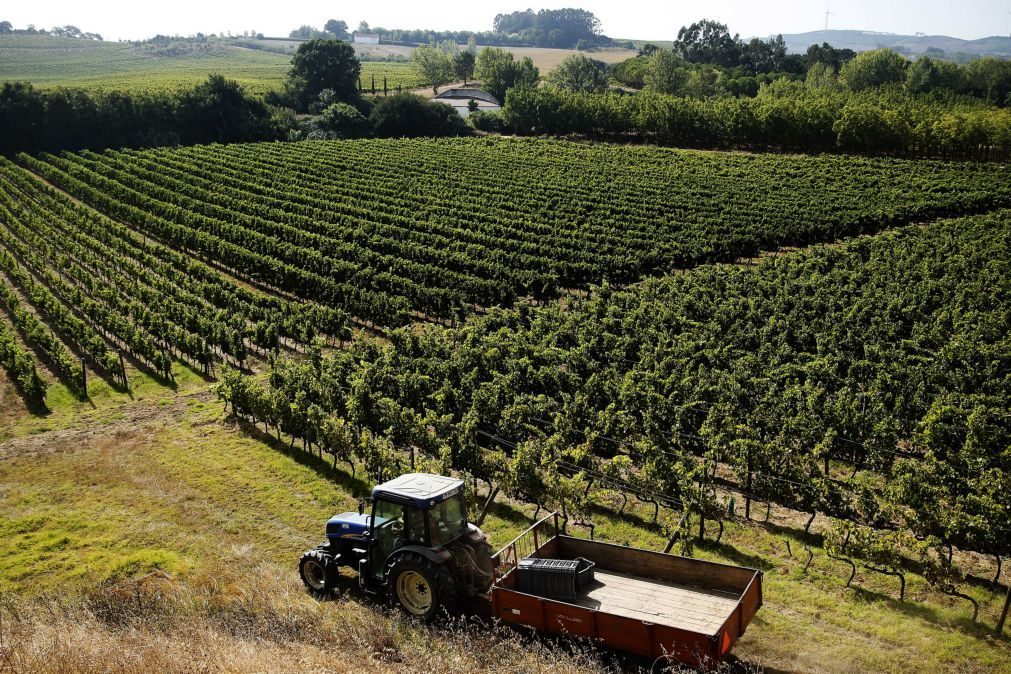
x=644, y=19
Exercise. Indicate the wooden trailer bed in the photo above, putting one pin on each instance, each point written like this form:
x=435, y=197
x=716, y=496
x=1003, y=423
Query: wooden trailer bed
x=650, y=603
x=682, y=606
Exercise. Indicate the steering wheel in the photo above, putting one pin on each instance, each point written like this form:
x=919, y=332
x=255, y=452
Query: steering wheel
x=397, y=527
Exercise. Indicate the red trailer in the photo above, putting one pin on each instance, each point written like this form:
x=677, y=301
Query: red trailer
x=649, y=603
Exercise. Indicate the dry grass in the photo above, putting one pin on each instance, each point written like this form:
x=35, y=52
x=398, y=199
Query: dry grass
x=262, y=622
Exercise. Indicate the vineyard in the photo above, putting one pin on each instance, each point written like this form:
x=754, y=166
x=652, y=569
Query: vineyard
x=394, y=230
x=679, y=340
x=48, y=62
x=109, y=292
x=869, y=384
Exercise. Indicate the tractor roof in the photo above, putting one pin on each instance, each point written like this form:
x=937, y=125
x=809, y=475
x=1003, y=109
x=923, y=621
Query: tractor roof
x=419, y=489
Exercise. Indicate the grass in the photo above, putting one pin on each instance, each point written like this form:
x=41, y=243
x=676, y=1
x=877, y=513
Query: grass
x=164, y=488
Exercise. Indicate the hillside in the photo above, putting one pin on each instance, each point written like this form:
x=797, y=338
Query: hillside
x=259, y=65
x=859, y=40
x=156, y=525
x=48, y=62
x=153, y=532
x=793, y=363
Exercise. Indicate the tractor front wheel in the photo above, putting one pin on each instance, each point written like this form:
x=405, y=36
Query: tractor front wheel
x=318, y=570
x=419, y=586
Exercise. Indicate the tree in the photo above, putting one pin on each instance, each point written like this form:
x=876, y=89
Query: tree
x=408, y=115
x=514, y=22
x=564, y=28
x=339, y=29
x=433, y=65
x=926, y=74
x=498, y=71
x=821, y=77
x=865, y=127
x=708, y=42
x=463, y=65
x=363, y=27
x=220, y=111
x=874, y=69
x=323, y=64
x=21, y=109
x=828, y=55
x=989, y=78
x=666, y=72
x=759, y=56
x=579, y=73
x=304, y=32
x=6, y=27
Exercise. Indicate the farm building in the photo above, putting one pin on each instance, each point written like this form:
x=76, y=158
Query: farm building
x=460, y=100
x=366, y=38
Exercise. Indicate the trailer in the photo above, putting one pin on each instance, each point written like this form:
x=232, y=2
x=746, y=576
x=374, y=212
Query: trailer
x=652, y=604
x=418, y=550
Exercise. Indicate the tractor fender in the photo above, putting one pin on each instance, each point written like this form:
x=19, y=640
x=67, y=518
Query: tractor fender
x=436, y=555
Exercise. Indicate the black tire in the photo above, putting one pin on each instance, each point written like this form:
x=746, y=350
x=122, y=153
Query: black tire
x=419, y=586
x=318, y=570
x=482, y=557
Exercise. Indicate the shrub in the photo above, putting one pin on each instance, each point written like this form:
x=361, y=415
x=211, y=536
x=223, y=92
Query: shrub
x=344, y=121
x=406, y=115
x=486, y=121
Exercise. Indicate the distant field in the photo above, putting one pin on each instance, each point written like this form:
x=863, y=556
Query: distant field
x=258, y=65
x=49, y=62
x=547, y=59
x=544, y=59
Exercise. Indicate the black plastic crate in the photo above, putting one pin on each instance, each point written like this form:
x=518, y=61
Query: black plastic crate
x=584, y=572
x=561, y=578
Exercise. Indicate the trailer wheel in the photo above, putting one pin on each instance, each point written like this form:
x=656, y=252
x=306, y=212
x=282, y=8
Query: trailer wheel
x=318, y=570
x=419, y=586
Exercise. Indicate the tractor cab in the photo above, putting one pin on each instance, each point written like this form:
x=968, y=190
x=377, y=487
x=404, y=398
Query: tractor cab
x=416, y=509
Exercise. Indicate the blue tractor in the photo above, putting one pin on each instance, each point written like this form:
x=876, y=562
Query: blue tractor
x=416, y=547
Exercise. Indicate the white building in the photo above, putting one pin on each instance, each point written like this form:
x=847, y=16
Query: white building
x=460, y=100
x=366, y=38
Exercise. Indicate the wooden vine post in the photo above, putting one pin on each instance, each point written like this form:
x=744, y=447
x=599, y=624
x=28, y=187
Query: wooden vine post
x=1004, y=612
x=122, y=370
x=747, y=497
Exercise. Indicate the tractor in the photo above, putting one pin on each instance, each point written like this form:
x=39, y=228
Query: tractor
x=416, y=548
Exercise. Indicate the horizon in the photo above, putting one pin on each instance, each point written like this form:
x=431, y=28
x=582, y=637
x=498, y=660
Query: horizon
x=640, y=20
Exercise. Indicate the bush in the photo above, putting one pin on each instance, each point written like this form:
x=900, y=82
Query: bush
x=344, y=121
x=406, y=115
x=486, y=121
x=869, y=128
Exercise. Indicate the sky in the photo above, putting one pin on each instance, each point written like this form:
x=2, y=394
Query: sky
x=630, y=19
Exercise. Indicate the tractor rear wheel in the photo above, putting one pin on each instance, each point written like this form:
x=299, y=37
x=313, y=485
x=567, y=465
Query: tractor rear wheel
x=486, y=568
x=419, y=586
x=318, y=570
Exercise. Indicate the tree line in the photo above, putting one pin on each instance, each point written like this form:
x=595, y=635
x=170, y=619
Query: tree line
x=218, y=110
x=566, y=28
x=794, y=120
x=7, y=28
